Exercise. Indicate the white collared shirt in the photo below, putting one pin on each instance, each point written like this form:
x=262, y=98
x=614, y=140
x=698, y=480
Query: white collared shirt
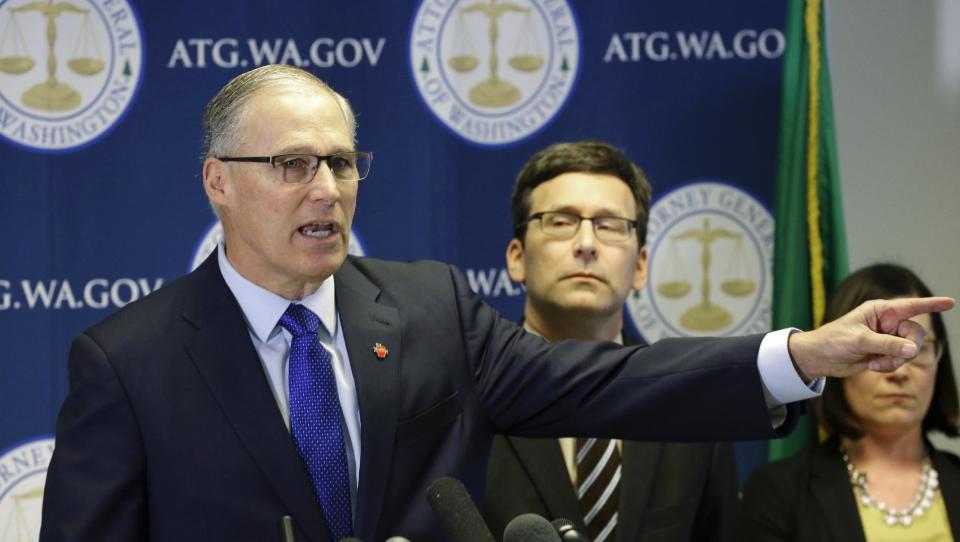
x=262, y=310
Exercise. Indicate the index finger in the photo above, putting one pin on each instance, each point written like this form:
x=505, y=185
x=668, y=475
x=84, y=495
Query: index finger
x=893, y=311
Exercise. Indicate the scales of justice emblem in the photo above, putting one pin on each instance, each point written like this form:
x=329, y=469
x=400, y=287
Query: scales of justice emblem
x=24, y=469
x=711, y=257
x=738, y=280
x=22, y=525
x=527, y=56
x=69, y=70
x=494, y=71
x=15, y=59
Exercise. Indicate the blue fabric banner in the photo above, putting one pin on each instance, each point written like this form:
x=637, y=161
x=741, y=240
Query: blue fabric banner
x=100, y=128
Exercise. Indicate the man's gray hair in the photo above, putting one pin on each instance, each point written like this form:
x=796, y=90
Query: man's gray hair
x=224, y=114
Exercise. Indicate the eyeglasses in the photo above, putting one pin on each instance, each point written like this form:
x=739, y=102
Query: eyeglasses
x=559, y=225
x=930, y=353
x=301, y=168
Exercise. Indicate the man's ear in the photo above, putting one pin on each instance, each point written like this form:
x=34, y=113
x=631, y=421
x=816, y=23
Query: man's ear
x=214, y=173
x=515, y=265
x=640, y=273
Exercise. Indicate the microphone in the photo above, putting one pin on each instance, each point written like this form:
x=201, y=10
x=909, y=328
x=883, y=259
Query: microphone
x=458, y=515
x=286, y=529
x=530, y=528
x=568, y=531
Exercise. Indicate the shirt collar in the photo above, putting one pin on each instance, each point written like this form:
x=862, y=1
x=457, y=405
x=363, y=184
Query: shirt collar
x=262, y=308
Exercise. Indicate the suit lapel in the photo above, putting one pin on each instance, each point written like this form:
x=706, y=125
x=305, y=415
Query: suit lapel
x=640, y=465
x=543, y=461
x=226, y=360
x=365, y=323
x=831, y=488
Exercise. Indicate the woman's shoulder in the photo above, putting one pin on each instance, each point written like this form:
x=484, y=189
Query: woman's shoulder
x=945, y=458
x=774, y=495
x=797, y=465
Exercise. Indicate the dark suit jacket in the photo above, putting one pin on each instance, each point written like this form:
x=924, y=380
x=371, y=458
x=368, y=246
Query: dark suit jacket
x=668, y=491
x=808, y=498
x=170, y=430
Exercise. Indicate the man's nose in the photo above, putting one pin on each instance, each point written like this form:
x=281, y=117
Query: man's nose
x=585, y=241
x=324, y=185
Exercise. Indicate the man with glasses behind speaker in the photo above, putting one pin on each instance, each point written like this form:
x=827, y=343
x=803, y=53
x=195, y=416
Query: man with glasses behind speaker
x=580, y=212
x=284, y=378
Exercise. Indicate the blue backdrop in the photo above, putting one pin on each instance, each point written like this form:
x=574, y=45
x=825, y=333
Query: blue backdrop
x=100, y=134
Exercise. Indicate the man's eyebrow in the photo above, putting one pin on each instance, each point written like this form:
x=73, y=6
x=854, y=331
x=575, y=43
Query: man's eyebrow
x=574, y=210
x=312, y=150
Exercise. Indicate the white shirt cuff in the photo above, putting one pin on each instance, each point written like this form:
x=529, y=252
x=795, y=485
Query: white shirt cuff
x=781, y=383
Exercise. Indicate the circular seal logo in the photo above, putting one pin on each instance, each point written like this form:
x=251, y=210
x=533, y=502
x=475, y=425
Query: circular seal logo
x=69, y=70
x=214, y=234
x=494, y=72
x=23, y=471
x=711, y=260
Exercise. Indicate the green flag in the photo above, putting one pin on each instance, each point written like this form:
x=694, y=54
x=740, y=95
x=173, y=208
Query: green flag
x=810, y=250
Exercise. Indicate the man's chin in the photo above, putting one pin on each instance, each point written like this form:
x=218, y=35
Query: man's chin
x=590, y=307
x=584, y=295
x=322, y=266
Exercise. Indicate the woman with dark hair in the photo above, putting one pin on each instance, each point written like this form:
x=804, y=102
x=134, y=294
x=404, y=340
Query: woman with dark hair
x=877, y=477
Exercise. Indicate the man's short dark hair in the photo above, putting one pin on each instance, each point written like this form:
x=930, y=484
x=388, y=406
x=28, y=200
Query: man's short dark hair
x=886, y=281
x=579, y=157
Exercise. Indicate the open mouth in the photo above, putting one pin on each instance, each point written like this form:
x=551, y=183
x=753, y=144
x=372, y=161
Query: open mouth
x=319, y=230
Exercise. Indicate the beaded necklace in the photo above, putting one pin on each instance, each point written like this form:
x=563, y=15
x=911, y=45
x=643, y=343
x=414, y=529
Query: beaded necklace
x=921, y=502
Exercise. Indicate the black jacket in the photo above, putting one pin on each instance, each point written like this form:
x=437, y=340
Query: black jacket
x=808, y=498
x=668, y=491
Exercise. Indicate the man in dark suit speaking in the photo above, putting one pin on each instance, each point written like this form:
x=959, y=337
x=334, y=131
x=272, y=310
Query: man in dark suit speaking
x=282, y=378
x=580, y=220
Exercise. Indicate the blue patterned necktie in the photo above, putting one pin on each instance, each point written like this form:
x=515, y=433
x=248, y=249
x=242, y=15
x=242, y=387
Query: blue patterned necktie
x=315, y=419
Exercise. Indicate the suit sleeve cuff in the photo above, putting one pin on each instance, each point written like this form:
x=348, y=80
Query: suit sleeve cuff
x=781, y=383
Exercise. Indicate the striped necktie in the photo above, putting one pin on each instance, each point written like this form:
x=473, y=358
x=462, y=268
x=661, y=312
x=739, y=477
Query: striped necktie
x=598, y=486
x=315, y=419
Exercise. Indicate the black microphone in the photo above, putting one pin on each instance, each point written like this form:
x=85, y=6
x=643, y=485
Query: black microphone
x=458, y=515
x=568, y=531
x=530, y=528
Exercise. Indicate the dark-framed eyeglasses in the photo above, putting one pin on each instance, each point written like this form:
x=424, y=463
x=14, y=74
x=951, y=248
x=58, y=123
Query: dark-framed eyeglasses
x=301, y=168
x=561, y=225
